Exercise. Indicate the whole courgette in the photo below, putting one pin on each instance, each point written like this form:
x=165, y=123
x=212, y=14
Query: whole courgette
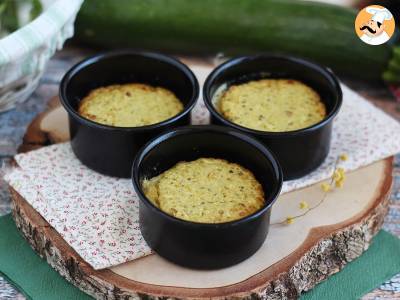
x=320, y=32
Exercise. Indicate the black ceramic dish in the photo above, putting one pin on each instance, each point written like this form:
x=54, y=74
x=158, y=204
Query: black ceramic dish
x=200, y=245
x=107, y=149
x=298, y=152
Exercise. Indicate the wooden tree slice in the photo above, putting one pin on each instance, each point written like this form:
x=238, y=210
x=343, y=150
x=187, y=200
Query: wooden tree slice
x=293, y=259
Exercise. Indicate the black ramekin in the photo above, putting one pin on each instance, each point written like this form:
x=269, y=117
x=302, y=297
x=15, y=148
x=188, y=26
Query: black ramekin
x=109, y=149
x=200, y=245
x=300, y=151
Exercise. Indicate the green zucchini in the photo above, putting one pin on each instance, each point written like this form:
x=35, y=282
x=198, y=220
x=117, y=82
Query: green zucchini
x=320, y=32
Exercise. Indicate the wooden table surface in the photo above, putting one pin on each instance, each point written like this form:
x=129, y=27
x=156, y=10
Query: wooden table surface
x=13, y=125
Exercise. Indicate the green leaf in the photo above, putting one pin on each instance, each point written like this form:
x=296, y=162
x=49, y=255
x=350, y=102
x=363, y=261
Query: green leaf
x=9, y=13
x=36, y=9
x=394, y=66
x=392, y=73
x=3, y=6
x=10, y=16
x=391, y=77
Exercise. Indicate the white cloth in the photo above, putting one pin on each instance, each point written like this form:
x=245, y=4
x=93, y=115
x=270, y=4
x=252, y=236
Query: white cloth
x=375, y=40
x=379, y=14
x=25, y=52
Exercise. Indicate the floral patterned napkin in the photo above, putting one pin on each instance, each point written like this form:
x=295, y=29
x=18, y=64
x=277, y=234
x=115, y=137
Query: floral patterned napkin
x=98, y=215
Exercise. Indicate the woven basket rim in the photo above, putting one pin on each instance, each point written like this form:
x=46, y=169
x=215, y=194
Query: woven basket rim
x=65, y=9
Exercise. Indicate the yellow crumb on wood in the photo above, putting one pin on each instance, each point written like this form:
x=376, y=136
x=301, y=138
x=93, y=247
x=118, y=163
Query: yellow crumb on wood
x=289, y=220
x=303, y=205
x=326, y=187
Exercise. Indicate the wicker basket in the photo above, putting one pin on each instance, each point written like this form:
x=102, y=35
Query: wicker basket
x=25, y=52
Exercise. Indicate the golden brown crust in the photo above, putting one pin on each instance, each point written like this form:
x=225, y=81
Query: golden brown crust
x=129, y=105
x=206, y=190
x=276, y=105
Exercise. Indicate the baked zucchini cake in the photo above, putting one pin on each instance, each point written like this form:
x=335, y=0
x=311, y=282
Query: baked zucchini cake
x=130, y=105
x=276, y=105
x=206, y=190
